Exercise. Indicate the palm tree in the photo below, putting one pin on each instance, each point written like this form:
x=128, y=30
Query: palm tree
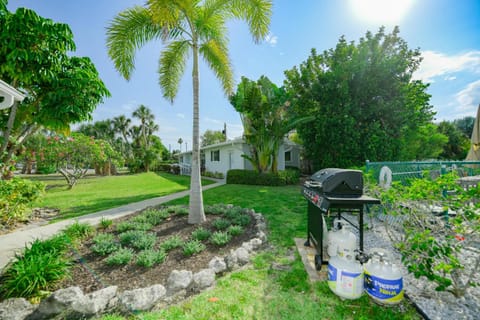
x=145, y=116
x=121, y=124
x=186, y=27
x=180, y=141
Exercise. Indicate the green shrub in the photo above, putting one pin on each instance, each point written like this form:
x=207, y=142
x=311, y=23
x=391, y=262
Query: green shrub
x=216, y=175
x=16, y=195
x=192, y=247
x=78, y=231
x=155, y=216
x=44, y=168
x=182, y=210
x=234, y=212
x=39, y=268
x=147, y=258
x=105, y=223
x=201, y=234
x=216, y=209
x=104, y=244
x=122, y=256
x=235, y=230
x=250, y=177
x=171, y=243
x=124, y=226
x=241, y=220
x=220, y=238
x=221, y=223
x=138, y=239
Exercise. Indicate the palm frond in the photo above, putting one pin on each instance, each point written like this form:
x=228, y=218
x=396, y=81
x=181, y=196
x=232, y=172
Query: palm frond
x=256, y=13
x=171, y=67
x=215, y=54
x=129, y=31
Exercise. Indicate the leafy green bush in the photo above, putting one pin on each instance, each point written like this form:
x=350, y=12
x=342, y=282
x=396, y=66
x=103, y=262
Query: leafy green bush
x=105, y=223
x=44, y=168
x=251, y=177
x=122, y=256
x=220, y=238
x=155, y=216
x=78, y=231
x=104, y=244
x=216, y=209
x=201, y=234
x=235, y=230
x=16, y=195
x=138, y=239
x=192, y=247
x=241, y=220
x=216, y=175
x=147, y=258
x=221, y=223
x=39, y=268
x=171, y=243
x=181, y=210
x=133, y=225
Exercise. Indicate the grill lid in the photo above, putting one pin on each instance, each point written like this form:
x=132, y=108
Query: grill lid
x=339, y=182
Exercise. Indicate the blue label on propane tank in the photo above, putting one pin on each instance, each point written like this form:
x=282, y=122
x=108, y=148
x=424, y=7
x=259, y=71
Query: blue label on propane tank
x=332, y=273
x=383, y=289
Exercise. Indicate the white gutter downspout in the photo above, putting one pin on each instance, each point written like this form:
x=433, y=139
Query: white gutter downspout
x=10, y=95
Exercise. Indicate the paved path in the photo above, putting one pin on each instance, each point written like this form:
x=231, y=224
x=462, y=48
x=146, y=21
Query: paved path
x=17, y=240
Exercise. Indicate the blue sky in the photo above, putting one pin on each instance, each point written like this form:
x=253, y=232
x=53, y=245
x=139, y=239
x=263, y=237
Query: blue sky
x=446, y=31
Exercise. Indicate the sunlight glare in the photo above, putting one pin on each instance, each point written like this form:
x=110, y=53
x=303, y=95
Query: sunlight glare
x=385, y=12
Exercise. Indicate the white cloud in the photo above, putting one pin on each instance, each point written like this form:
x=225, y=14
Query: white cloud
x=450, y=78
x=437, y=64
x=180, y=115
x=468, y=98
x=271, y=39
x=129, y=106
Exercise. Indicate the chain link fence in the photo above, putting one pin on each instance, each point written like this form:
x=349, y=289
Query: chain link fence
x=387, y=172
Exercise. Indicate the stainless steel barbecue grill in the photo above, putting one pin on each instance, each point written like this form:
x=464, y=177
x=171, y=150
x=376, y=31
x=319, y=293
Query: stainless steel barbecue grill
x=331, y=192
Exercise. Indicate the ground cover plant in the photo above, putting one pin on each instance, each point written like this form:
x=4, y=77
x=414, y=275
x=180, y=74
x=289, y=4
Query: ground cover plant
x=94, y=194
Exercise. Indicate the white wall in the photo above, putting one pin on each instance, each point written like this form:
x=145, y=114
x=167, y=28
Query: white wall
x=227, y=152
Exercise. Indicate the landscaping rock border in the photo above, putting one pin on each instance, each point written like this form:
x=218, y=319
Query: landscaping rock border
x=72, y=303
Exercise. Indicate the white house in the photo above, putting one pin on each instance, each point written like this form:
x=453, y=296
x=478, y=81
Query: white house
x=8, y=95
x=225, y=156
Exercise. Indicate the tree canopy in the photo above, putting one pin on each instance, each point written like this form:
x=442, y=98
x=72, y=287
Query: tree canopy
x=61, y=89
x=210, y=137
x=363, y=99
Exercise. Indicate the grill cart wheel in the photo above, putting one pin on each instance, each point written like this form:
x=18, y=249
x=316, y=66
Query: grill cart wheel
x=318, y=262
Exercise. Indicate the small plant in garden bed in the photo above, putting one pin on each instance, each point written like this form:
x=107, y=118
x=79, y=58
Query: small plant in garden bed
x=104, y=244
x=216, y=209
x=78, y=231
x=235, y=230
x=38, y=269
x=221, y=223
x=171, y=243
x=138, y=239
x=220, y=238
x=201, y=234
x=122, y=256
x=105, y=223
x=135, y=225
x=155, y=216
x=148, y=258
x=192, y=247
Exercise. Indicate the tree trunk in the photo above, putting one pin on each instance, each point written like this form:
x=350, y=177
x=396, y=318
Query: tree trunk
x=196, y=213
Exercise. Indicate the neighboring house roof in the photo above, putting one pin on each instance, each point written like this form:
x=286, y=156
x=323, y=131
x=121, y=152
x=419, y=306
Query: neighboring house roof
x=9, y=94
x=288, y=144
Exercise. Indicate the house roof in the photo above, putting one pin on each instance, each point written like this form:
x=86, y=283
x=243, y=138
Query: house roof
x=9, y=94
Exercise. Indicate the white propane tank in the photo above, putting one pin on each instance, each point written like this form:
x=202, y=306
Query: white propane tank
x=341, y=242
x=383, y=280
x=345, y=277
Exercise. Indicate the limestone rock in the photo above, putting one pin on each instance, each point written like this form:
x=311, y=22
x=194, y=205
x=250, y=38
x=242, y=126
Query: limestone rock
x=15, y=309
x=243, y=257
x=141, y=299
x=178, y=280
x=218, y=265
x=59, y=302
x=95, y=302
x=204, y=278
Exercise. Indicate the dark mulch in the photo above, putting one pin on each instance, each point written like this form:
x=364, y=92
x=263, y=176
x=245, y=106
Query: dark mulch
x=91, y=273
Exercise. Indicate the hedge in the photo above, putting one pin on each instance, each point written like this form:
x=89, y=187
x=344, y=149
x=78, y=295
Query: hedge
x=289, y=176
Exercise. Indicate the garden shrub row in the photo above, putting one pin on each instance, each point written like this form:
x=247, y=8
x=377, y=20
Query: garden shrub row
x=250, y=177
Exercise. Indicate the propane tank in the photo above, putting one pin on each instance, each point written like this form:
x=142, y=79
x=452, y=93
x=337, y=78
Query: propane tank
x=341, y=242
x=383, y=280
x=345, y=277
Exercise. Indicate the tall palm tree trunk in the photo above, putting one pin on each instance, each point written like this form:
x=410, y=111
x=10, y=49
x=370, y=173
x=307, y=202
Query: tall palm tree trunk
x=197, y=214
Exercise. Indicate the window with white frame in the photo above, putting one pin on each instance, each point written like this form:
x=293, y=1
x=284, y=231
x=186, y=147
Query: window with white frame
x=215, y=155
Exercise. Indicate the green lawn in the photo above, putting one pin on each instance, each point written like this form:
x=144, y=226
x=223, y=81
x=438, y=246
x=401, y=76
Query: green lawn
x=93, y=193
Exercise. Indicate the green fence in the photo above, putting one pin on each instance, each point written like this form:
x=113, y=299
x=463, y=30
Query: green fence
x=386, y=172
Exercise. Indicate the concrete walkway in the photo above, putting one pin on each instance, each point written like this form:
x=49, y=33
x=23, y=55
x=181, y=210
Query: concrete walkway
x=15, y=241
